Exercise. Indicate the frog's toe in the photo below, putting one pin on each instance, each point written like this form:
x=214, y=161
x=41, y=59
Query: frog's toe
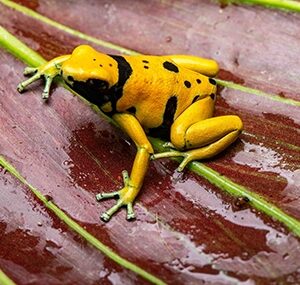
x=187, y=159
x=46, y=91
x=171, y=153
x=107, y=214
x=102, y=196
x=21, y=86
x=99, y=197
x=105, y=217
x=30, y=70
x=122, y=201
x=110, y=212
x=130, y=212
x=169, y=145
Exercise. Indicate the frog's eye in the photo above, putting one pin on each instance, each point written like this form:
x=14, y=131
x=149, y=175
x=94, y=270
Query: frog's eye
x=70, y=78
x=98, y=84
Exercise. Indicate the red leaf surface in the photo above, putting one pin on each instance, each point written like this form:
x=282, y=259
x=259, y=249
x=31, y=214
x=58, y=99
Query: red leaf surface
x=187, y=230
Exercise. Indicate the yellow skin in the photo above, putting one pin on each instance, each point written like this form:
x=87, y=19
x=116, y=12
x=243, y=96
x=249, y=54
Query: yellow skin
x=171, y=96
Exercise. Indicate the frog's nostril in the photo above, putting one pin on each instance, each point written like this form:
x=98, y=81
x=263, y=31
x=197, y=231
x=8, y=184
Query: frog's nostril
x=103, y=85
x=98, y=84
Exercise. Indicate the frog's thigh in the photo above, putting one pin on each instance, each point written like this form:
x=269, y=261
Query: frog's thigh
x=198, y=111
x=208, y=137
x=204, y=66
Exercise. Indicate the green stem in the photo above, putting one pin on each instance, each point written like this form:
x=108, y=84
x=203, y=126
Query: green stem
x=288, y=5
x=5, y=280
x=236, y=190
x=19, y=49
x=80, y=230
x=249, y=90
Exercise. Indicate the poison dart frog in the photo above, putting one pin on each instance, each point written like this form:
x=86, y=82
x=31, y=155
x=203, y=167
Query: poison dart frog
x=168, y=96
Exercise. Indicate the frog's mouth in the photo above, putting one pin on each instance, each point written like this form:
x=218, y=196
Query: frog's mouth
x=95, y=91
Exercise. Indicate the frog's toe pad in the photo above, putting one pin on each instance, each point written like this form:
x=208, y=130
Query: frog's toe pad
x=102, y=196
x=30, y=70
x=45, y=96
x=20, y=88
x=105, y=217
x=130, y=216
x=99, y=197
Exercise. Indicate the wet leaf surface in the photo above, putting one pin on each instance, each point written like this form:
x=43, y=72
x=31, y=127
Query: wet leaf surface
x=37, y=248
x=187, y=231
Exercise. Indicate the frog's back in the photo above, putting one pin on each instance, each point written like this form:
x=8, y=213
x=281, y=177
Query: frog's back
x=157, y=90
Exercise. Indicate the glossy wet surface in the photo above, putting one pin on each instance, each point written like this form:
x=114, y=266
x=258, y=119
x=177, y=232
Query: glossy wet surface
x=187, y=231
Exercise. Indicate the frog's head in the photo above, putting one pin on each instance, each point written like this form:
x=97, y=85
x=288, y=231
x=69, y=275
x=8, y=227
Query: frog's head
x=90, y=73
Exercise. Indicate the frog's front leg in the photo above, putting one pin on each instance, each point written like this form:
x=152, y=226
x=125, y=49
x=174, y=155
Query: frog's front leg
x=199, y=136
x=49, y=70
x=132, y=183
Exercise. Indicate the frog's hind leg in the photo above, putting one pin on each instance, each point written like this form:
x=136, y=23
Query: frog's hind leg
x=208, y=67
x=200, y=138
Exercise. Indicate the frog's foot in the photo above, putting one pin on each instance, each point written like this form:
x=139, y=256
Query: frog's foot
x=48, y=70
x=187, y=157
x=125, y=197
x=37, y=74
